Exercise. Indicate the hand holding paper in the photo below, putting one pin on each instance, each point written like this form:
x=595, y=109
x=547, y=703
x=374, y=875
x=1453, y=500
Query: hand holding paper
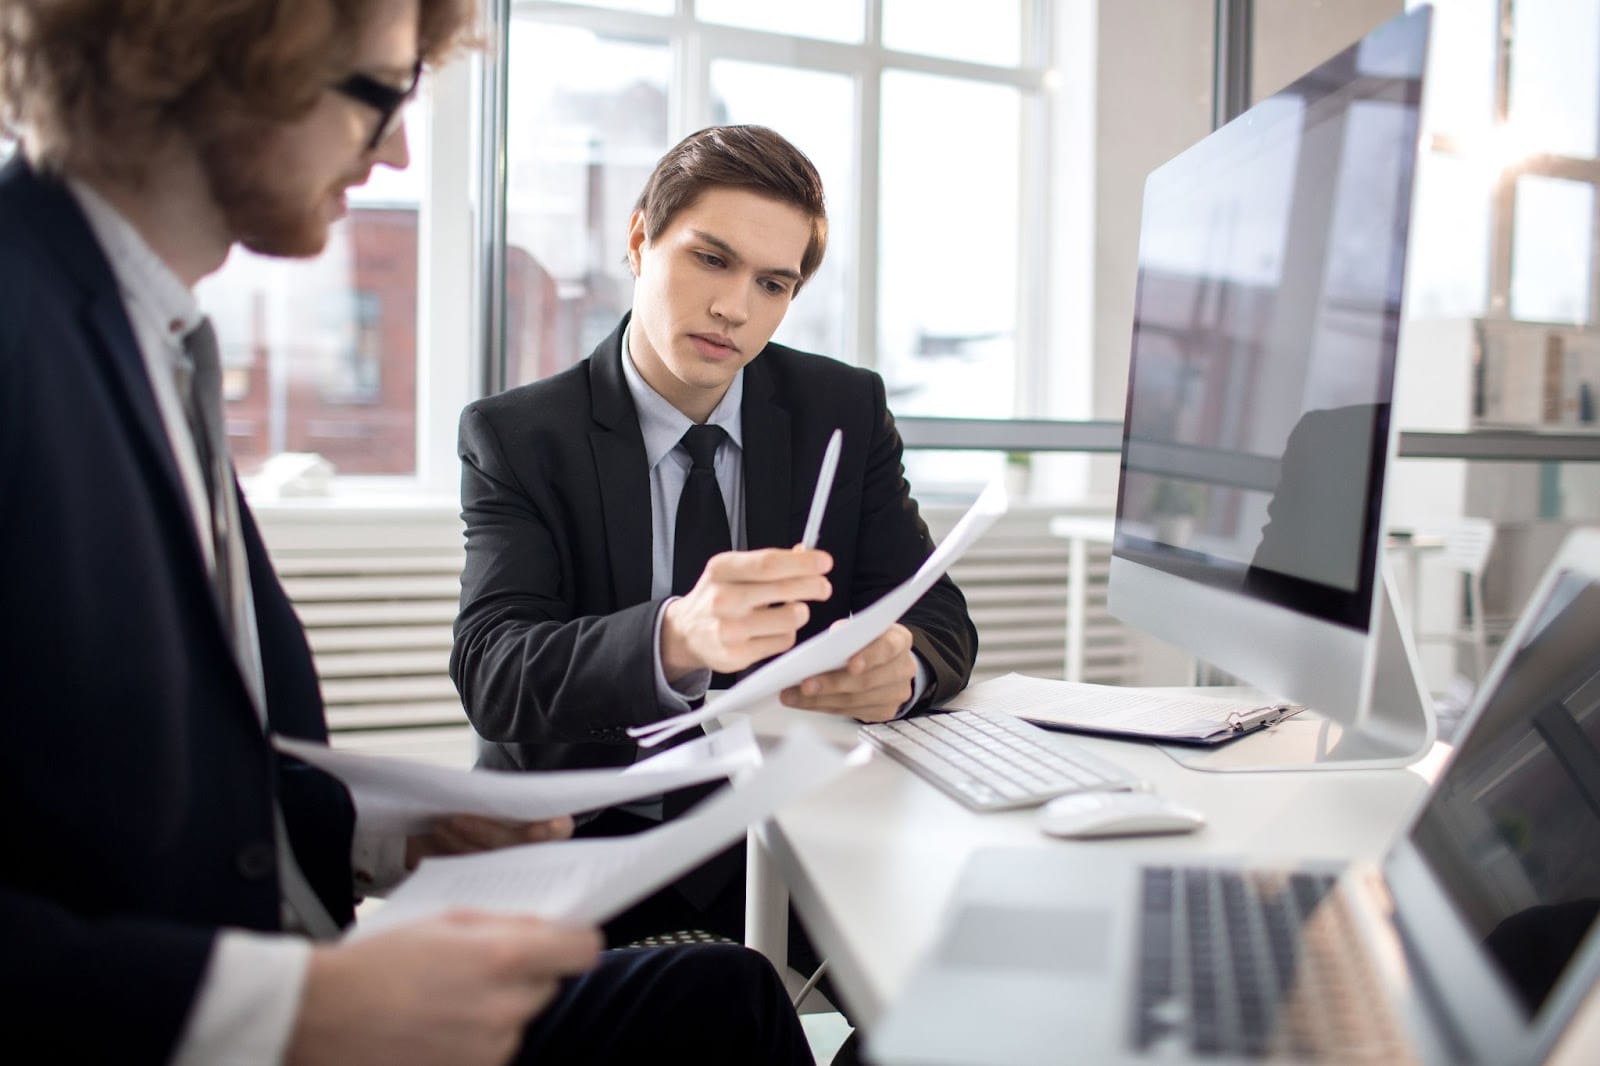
x=871, y=686
x=593, y=880
x=832, y=649
x=396, y=795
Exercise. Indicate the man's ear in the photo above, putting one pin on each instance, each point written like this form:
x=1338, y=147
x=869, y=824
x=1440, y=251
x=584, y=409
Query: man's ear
x=636, y=241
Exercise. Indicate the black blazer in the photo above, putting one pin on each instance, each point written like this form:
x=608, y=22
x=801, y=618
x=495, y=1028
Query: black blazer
x=135, y=780
x=552, y=650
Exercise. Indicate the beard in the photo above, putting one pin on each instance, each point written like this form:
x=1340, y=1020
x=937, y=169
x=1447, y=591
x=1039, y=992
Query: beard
x=265, y=216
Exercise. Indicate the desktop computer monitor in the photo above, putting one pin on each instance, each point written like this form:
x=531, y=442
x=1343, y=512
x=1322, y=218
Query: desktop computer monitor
x=1259, y=425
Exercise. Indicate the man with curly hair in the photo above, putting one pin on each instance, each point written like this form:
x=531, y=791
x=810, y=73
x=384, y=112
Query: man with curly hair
x=170, y=888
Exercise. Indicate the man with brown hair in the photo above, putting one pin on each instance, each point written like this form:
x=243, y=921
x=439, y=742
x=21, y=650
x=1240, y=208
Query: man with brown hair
x=632, y=522
x=156, y=853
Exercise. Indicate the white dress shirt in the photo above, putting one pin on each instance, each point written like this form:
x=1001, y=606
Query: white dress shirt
x=250, y=994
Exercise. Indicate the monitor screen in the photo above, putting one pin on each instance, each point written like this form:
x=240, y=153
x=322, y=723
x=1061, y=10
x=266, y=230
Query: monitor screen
x=1267, y=314
x=1512, y=831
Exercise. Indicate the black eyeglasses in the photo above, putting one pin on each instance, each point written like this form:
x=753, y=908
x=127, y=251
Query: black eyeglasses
x=387, y=100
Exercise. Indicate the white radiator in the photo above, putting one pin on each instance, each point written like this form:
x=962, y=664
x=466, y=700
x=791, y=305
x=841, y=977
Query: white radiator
x=1016, y=581
x=377, y=589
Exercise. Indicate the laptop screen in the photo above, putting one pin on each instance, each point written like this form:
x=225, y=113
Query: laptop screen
x=1512, y=831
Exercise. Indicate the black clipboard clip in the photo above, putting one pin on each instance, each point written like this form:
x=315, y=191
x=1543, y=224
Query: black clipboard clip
x=1241, y=723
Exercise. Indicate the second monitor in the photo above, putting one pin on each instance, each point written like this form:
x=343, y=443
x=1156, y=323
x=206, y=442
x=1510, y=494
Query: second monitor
x=1259, y=424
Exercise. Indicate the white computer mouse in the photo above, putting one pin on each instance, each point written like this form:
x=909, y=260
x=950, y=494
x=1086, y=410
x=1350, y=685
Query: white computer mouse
x=1115, y=814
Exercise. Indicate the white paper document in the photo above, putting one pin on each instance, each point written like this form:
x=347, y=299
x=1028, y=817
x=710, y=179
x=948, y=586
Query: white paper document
x=1150, y=713
x=831, y=649
x=399, y=795
x=589, y=881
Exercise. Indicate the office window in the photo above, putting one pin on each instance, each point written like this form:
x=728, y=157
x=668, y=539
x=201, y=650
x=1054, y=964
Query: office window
x=947, y=276
x=828, y=20
x=1510, y=187
x=355, y=373
x=1555, y=68
x=653, y=7
x=1554, y=247
x=321, y=355
x=586, y=119
x=814, y=110
x=990, y=32
x=916, y=130
x=1450, y=237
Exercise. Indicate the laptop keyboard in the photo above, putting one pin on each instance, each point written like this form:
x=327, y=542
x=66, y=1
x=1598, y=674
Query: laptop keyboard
x=993, y=762
x=1254, y=964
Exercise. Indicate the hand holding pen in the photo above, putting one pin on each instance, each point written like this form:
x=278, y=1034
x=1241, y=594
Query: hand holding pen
x=877, y=681
x=750, y=605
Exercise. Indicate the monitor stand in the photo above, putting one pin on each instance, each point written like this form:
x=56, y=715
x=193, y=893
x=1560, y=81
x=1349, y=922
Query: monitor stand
x=1396, y=729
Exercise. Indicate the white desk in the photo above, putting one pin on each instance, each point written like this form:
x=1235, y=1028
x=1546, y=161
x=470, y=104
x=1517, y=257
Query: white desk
x=871, y=861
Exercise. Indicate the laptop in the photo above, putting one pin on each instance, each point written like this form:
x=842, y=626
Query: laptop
x=1472, y=941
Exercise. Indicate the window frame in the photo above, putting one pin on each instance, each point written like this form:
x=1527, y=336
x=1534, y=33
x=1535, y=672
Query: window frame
x=695, y=45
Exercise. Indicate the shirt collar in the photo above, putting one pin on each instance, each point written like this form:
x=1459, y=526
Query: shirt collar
x=662, y=424
x=144, y=278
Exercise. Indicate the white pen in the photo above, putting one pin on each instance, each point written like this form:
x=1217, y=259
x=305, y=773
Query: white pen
x=819, y=498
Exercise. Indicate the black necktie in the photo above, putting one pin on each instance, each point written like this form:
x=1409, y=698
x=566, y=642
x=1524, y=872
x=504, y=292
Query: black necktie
x=701, y=529
x=202, y=404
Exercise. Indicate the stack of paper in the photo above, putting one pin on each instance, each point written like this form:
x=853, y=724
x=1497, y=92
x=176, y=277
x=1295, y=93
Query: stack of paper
x=401, y=796
x=589, y=881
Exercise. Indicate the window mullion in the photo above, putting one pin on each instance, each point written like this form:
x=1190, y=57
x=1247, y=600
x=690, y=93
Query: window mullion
x=869, y=107
x=1503, y=210
x=1030, y=383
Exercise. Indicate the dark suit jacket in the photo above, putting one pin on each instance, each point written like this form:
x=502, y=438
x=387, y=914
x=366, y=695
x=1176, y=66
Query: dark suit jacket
x=553, y=652
x=135, y=780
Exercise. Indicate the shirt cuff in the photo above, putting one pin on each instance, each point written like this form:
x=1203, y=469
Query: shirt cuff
x=680, y=696
x=377, y=859
x=249, y=999
x=919, y=686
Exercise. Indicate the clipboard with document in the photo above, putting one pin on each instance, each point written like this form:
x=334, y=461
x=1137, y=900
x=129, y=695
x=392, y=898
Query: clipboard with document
x=1159, y=715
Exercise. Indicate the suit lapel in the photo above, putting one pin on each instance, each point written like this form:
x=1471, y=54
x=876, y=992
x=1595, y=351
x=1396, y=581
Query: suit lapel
x=623, y=472
x=62, y=229
x=120, y=354
x=768, y=467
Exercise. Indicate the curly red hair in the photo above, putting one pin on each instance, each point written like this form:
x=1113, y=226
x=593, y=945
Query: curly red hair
x=96, y=85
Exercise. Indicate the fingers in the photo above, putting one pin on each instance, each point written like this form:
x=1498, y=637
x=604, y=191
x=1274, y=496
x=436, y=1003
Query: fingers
x=885, y=659
x=555, y=951
x=747, y=606
x=769, y=564
x=530, y=949
x=894, y=644
x=728, y=598
x=466, y=833
x=870, y=705
x=873, y=685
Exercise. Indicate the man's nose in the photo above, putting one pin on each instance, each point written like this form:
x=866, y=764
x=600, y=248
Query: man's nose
x=731, y=302
x=393, y=151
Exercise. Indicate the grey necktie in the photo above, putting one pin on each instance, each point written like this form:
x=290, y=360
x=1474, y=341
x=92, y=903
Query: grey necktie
x=200, y=386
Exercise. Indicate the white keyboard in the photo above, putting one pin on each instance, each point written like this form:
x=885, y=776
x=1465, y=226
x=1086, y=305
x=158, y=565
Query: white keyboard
x=994, y=762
